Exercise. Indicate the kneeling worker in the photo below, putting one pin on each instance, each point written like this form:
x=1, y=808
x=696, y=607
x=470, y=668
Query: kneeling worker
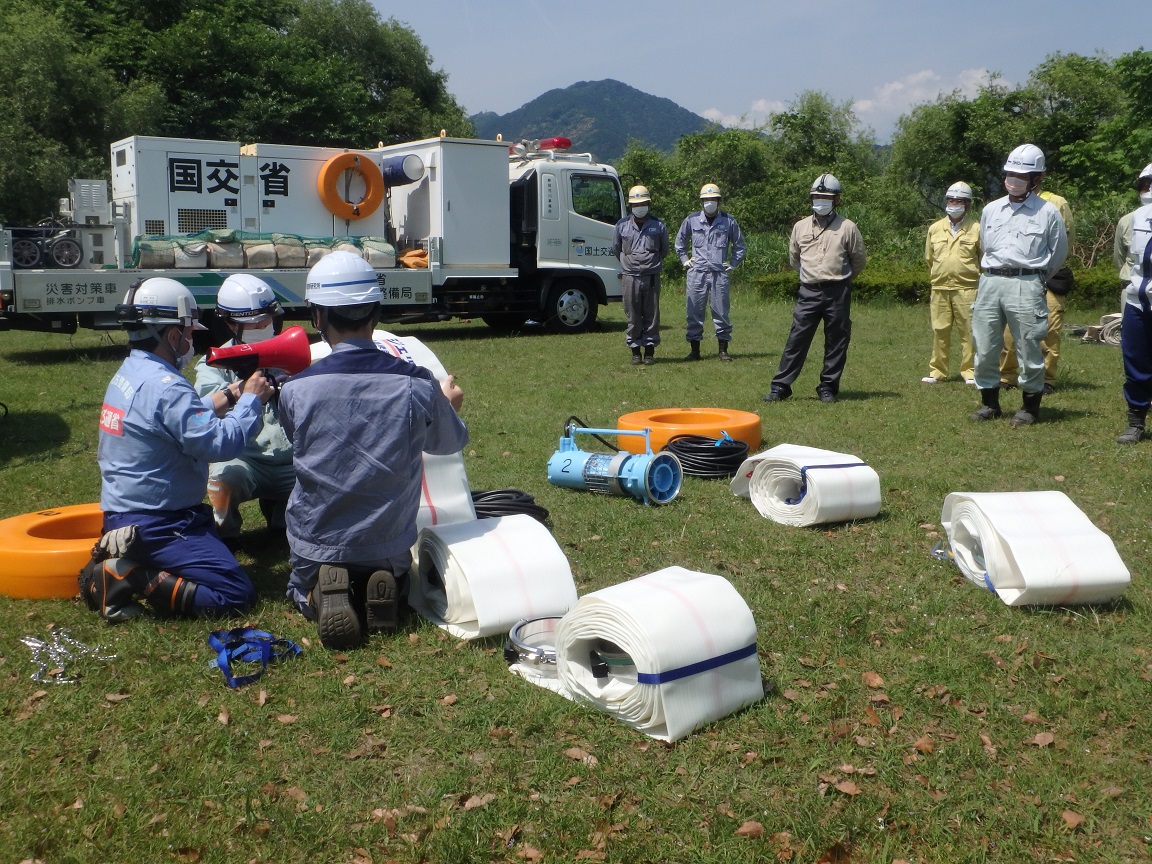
x=249, y=307
x=157, y=438
x=359, y=420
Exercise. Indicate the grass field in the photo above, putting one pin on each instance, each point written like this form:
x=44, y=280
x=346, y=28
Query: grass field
x=914, y=717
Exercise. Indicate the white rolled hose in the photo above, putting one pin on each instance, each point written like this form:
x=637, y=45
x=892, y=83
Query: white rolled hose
x=445, y=498
x=479, y=578
x=664, y=653
x=796, y=485
x=1032, y=548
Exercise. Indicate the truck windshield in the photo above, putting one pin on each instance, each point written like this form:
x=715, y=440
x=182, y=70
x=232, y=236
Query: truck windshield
x=597, y=197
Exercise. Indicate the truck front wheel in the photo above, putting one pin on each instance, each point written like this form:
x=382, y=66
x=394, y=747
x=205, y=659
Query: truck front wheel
x=571, y=307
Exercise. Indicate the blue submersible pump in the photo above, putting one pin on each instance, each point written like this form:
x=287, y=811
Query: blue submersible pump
x=652, y=478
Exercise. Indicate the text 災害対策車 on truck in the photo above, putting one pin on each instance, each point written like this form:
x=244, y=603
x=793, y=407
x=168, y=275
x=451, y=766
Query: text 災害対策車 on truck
x=454, y=228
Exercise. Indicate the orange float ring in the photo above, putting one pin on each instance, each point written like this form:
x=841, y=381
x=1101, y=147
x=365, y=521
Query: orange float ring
x=329, y=176
x=666, y=423
x=41, y=553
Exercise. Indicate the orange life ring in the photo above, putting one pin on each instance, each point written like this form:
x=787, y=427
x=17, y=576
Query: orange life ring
x=665, y=423
x=41, y=553
x=328, y=180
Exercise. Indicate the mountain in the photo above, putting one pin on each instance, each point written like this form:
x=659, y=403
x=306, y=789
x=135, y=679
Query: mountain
x=599, y=116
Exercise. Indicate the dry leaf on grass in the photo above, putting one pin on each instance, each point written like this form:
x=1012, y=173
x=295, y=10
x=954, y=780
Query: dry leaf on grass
x=925, y=744
x=529, y=853
x=475, y=801
x=1044, y=739
x=286, y=718
x=751, y=829
x=578, y=754
x=873, y=679
x=848, y=787
x=223, y=717
x=116, y=697
x=262, y=698
x=1072, y=819
x=450, y=699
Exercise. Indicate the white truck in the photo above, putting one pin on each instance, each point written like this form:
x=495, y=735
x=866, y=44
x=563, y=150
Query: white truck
x=454, y=228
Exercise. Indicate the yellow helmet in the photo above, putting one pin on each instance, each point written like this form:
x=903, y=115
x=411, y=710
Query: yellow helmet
x=709, y=190
x=639, y=195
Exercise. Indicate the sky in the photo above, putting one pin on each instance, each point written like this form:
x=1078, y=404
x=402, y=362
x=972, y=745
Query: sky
x=737, y=61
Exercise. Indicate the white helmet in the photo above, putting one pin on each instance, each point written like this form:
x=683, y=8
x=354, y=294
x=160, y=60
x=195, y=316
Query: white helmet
x=1025, y=159
x=155, y=303
x=342, y=279
x=825, y=184
x=960, y=190
x=246, y=299
x=639, y=195
x=709, y=190
x=1147, y=172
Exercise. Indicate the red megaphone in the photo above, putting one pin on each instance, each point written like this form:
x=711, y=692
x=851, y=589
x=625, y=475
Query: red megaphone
x=289, y=351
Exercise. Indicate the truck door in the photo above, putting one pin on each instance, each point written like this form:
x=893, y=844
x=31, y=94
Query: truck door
x=597, y=204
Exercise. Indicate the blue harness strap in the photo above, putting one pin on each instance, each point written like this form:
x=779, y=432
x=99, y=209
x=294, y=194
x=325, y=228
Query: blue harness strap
x=804, y=478
x=247, y=645
x=696, y=668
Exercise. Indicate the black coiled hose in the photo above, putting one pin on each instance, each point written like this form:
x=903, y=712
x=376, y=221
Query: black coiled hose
x=507, y=502
x=710, y=458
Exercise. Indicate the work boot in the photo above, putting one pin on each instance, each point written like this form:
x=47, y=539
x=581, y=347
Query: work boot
x=990, y=410
x=105, y=585
x=693, y=351
x=649, y=355
x=1135, y=430
x=1029, y=413
x=167, y=594
x=635, y=356
x=337, y=622
x=382, y=602
x=724, y=355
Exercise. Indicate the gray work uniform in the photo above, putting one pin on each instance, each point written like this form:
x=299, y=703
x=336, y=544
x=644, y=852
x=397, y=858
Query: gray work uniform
x=641, y=249
x=708, y=244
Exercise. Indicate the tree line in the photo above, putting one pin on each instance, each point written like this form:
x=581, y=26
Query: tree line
x=1092, y=117
x=80, y=74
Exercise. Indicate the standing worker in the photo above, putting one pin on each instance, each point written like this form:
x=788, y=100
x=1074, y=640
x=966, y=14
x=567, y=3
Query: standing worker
x=828, y=252
x=1024, y=242
x=1056, y=288
x=1136, y=325
x=1122, y=242
x=248, y=306
x=952, y=251
x=710, y=233
x=641, y=242
x=157, y=438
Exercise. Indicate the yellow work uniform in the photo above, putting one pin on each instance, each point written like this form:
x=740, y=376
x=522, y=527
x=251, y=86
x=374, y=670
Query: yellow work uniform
x=1009, y=368
x=954, y=264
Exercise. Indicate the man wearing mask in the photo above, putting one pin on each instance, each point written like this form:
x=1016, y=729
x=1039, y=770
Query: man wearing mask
x=1136, y=325
x=1058, y=285
x=248, y=306
x=952, y=251
x=702, y=245
x=1024, y=242
x=157, y=438
x=641, y=242
x=1122, y=242
x=828, y=252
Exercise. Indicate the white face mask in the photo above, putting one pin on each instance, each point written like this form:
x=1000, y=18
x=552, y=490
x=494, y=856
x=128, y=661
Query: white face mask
x=256, y=334
x=1146, y=197
x=1016, y=187
x=821, y=206
x=639, y=212
x=182, y=359
x=711, y=208
x=955, y=211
